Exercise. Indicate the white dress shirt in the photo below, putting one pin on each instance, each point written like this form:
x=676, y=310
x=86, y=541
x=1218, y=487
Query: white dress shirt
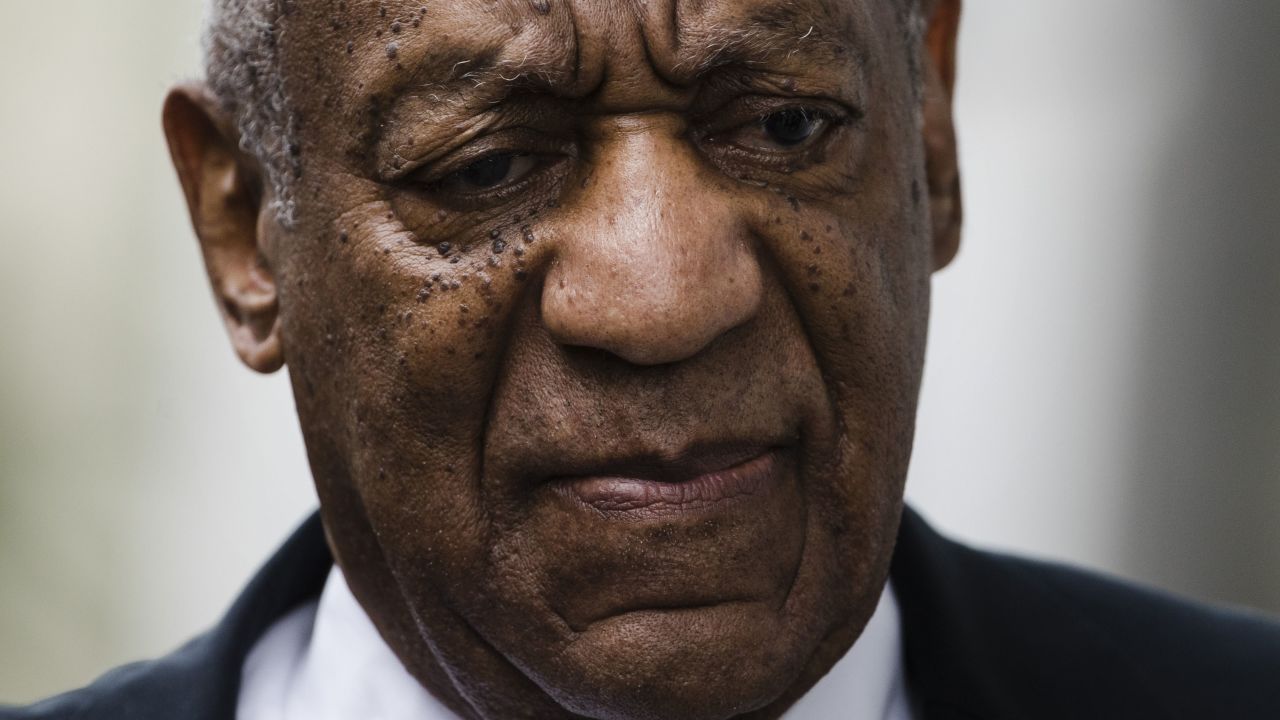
x=326, y=661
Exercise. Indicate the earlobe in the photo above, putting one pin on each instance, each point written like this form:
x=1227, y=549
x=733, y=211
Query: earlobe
x=941, y=164
x=222, y=189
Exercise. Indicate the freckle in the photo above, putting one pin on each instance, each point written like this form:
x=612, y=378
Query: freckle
x=499, y=245
x=812, y=269
x=391, y=216
x=378, y=34
x=515, y=220
x=395, y=27
x=533, y=213
x=814, y=287
x=386, y=251
x=817, y=250
x=381, y=309
x=464, y=308
x=392, y=50
x=403, y=360
x=455, y=259
x=805, y=236
x=527, y=233
x=382, y=11
x=828, y=228
x=443, y=248
x=521, y=274
x=417, y=22
x=553, y=204
x=848, y=290
x=342, y=237
x=350, y=47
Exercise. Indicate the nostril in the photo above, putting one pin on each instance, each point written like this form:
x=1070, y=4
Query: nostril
x=655, y=322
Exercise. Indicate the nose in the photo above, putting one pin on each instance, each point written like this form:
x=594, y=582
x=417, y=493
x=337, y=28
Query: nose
x=654, y=262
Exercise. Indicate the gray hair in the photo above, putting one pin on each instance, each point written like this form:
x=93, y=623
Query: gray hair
x=242, y=65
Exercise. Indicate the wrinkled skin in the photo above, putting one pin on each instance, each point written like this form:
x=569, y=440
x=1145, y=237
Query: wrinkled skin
x=654, y=272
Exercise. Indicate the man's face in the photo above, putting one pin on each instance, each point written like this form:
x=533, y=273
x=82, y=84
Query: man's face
x=605, y=322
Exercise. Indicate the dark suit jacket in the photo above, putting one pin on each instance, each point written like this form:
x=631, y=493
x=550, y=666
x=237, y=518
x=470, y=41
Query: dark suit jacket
x=985, y=636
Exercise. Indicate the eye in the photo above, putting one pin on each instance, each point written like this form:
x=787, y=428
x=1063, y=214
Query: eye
x=792, y=126
x=489, y=172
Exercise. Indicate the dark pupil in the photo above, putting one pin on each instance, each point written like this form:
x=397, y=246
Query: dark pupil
x=489, y=171
x=789, y=127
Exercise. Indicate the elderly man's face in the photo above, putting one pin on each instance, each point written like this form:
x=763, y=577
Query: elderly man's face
x=605, y=322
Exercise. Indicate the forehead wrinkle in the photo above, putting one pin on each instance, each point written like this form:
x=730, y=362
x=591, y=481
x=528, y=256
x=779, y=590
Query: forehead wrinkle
x=774, y=33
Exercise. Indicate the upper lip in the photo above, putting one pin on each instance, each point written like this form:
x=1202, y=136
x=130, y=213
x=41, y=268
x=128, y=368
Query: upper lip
x=681, y=466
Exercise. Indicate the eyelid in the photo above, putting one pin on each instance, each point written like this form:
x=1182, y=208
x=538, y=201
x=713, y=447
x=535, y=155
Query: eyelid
x=517, y=141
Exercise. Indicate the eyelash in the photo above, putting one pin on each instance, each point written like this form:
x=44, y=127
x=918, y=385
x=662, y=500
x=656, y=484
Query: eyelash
x=778, y=160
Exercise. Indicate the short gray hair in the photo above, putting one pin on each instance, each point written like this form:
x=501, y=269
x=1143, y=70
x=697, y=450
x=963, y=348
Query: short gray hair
x=242, y=65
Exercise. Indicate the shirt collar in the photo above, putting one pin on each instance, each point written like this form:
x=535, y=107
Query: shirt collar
x=326, y=661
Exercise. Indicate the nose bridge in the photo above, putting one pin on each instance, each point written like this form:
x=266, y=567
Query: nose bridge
x=654, y=263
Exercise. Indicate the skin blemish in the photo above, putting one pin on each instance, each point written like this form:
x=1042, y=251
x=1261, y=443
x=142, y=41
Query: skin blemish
x=444, y=248
x=494, y=261
x=395, y=27
x=805, y=236
x=499, y=245
x=542, y=7
x=350, y=47
x=795, y=204
x=343, y=237
x=494, y=234
x=527, y=233
x=392, y=50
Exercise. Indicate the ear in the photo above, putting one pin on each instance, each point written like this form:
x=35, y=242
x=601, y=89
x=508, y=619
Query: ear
x=941, y=166
x=223, y=187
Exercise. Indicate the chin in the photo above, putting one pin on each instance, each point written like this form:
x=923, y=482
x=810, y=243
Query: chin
x=698, y=663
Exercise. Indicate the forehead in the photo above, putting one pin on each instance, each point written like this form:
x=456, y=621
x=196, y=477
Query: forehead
x=482, y=49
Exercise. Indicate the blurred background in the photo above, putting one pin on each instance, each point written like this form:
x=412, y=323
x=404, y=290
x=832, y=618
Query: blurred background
x=1103, y=382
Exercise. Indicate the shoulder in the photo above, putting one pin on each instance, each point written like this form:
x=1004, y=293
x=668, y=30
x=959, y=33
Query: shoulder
x=201, y=680
x=152, y=689
x=1029, y=638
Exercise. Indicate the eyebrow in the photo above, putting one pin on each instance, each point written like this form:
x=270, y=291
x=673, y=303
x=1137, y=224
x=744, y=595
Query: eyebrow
x=776, y=32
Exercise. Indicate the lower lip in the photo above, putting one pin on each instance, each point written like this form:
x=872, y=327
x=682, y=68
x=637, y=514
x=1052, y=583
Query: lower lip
x=633, y=497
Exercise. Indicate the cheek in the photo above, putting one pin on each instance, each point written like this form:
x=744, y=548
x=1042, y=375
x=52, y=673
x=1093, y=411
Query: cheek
x=394, y=346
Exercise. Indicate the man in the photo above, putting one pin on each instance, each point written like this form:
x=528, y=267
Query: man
x=605, y=323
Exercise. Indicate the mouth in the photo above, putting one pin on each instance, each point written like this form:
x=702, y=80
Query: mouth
x=697, y=481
